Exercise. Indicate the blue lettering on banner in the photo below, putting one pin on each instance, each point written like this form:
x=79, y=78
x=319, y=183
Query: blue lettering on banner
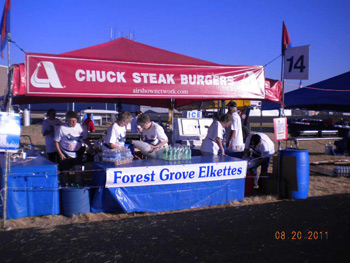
x=173, y=174
x=177, y=176
x=131, y=178
x=209, y=171
x=201, y=170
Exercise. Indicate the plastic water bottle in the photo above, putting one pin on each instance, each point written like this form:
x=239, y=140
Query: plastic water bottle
x=165, y=154
x=171, y=154
x=176, y=153
x=181, y=153
x=188, y=153
x=128, y=154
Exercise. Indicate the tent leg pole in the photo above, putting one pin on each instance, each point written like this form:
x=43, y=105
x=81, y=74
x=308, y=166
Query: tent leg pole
x=7, y=167
x=172, y=106
x=261, y=118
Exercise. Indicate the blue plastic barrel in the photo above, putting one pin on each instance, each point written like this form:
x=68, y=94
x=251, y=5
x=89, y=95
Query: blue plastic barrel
x=302, y=160
x=75, y=201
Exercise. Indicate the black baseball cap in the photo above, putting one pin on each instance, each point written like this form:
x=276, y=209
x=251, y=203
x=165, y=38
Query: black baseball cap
x=231, y=104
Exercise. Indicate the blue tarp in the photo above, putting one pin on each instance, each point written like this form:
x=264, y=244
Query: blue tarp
x=332, y=94
x=32, y=188
x=158, y=198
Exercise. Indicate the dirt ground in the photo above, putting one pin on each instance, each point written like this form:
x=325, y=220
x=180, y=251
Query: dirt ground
x=320, y=184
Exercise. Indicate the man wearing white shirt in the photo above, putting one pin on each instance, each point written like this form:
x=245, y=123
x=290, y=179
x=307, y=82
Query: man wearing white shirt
x=152, y=132
x=263, y=148
x=116, y=133
x=69, y=141
x=234, y=134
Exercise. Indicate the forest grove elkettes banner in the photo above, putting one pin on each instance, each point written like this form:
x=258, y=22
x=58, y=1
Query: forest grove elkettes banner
x=59, y=76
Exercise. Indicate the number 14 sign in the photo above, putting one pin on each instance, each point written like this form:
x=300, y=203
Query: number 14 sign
x=296, y=63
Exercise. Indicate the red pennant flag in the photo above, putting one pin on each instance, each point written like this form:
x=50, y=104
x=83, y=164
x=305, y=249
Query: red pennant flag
x=5, y=25
x=286, y=43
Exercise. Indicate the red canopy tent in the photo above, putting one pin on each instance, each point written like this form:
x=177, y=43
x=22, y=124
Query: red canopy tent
x=124, y=62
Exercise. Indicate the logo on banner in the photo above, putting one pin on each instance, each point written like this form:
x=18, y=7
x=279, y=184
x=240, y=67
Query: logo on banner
x=52, y=77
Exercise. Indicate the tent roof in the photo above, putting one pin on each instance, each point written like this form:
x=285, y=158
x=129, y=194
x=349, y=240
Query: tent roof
x=332, y=94
x=123, y=49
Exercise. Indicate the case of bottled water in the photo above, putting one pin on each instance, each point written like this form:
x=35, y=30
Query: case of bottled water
x=117, y=156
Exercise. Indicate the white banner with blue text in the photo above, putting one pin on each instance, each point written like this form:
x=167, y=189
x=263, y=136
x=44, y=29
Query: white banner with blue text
x=175, y=174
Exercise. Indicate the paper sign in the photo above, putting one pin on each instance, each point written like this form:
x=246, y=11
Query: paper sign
x=280, y=128
x=296, y=63
x=10, y=131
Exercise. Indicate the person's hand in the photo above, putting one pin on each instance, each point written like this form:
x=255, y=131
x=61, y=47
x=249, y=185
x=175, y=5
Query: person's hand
x=228, y=144
x=221, y=152
x=153, y=148
x=245, y=157
x=62, y=156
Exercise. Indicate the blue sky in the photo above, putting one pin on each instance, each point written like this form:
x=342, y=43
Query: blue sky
x=227, y=32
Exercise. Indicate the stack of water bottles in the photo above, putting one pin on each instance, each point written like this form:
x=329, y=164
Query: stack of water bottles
x=177, y=153
x=117, y=156
x=341, y=171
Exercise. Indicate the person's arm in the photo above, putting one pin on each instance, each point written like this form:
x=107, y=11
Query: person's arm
x=47, y=132
x=60, y=153
x=232, y=135
x=46, y=129
x=163, y=139
x=221, y=150
x=246, y=148
x=92, y=126
x=114, y=146
x=158, y=146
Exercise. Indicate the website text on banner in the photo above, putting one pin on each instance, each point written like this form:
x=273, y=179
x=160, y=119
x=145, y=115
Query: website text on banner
x=60, y=76
x=175, y=174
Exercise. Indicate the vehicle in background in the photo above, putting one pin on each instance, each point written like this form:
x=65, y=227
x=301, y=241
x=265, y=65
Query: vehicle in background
x=304, y=127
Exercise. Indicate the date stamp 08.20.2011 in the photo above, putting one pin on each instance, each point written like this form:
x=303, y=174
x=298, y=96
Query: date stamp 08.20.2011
x=301, y=235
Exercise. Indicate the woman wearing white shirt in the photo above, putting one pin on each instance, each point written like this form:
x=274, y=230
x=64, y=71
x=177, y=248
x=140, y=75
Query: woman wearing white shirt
x=212, y=144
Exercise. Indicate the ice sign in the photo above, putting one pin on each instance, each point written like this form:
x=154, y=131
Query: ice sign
x=194, y=114
x=10, y=131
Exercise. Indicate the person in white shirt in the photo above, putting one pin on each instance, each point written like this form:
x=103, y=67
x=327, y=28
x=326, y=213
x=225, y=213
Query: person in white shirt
x=48, y=131
x=263, y=148
x=234, y=134
x=152, y=132
x=116, y=133
x=134, y=127
x=69, y=141
x=212, y=144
